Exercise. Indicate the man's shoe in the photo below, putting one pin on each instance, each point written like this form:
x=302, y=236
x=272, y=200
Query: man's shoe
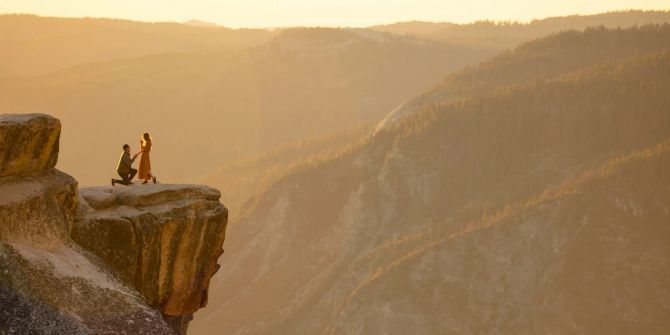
x=113, y=183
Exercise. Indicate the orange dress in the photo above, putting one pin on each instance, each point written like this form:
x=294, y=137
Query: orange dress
x=145, y=162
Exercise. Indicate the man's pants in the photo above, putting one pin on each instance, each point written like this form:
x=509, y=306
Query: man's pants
x=126, y=177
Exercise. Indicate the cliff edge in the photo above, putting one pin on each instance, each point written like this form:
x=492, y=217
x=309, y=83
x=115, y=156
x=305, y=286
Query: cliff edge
x=163, y=240
x=100, y=260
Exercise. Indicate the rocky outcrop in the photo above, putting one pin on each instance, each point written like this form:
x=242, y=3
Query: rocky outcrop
x=62, y=289
x=37, y=202
x=28, y=143
x=148, y=252
x=37, y=207
x=162, y=239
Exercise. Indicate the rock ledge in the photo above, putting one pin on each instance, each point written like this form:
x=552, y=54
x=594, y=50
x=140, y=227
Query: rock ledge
x=162, y=239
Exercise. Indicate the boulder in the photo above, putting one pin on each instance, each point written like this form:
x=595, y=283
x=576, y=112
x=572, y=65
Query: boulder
x=39, y=208
x=28, y=143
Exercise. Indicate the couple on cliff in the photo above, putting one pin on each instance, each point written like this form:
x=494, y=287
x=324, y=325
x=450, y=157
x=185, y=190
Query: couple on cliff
x=125, y=169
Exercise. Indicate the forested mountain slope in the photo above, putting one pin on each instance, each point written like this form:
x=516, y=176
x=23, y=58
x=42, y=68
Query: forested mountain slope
x=503, y=35
x=538, y=60
x=536, y=205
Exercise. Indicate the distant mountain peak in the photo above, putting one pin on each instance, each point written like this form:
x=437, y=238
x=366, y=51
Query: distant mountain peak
x=198, y=23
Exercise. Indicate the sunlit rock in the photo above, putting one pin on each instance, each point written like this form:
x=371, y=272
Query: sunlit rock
x=163, y=239
x=28, y=143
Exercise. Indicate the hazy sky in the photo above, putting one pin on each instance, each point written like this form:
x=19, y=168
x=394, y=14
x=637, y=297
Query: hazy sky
x=267, y=13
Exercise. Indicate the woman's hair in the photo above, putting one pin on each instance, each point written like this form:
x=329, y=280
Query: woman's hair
x=146, y=137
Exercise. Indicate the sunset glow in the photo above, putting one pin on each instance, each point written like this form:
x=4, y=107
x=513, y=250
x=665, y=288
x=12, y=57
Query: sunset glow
x=273, y=13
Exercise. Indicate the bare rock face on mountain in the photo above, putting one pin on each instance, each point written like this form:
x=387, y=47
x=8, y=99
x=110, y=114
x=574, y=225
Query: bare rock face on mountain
x=50, y=284
x=162, y=239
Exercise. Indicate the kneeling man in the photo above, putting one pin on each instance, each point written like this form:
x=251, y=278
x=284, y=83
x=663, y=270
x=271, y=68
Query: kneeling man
x=125, y=170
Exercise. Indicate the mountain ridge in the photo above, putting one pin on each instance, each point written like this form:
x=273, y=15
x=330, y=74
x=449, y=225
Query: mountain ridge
x=368, y=211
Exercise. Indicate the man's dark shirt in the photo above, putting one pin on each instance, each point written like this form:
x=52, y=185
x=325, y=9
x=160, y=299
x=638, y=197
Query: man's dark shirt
x=125, y=163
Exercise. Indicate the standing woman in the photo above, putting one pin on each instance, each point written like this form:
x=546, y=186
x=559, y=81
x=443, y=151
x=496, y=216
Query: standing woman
x=145, y=162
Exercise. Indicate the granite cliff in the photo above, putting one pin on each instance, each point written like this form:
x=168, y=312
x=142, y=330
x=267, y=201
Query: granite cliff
x=134, y=260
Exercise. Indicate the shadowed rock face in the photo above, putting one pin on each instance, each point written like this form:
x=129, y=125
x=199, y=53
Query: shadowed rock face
x=154, y=248
x=163, y=239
